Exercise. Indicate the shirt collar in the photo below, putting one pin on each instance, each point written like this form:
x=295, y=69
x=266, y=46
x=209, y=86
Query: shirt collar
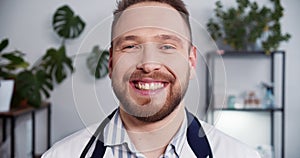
x=117, y=135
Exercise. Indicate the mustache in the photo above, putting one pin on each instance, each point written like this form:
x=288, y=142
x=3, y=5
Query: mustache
x=156, y=75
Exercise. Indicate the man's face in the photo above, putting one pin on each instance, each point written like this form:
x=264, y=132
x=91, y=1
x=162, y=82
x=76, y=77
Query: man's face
x=150, y=66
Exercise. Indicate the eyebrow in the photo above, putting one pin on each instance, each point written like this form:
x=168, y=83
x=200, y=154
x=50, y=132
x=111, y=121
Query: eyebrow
x=126, y=38
x=168, y=37
x=161, y=37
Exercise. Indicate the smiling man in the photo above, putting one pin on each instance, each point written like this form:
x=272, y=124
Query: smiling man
x=152, y=59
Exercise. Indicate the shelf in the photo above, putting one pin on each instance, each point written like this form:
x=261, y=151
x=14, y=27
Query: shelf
x=274, y=61
x=13, y=114
x=244, y=53
x=250, y=109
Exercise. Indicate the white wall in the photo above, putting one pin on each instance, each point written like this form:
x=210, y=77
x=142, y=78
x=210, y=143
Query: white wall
x=291, y=24
x=78, y=101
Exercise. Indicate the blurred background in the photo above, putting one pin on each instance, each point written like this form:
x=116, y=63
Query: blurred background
x=232, y=82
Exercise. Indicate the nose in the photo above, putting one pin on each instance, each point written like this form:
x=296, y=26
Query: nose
x=149, y=61
x=148, y=67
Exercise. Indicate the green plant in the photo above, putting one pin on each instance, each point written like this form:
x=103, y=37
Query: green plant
x=35, y=82
x=247, y=24
x=10, y=62
x=97, y=62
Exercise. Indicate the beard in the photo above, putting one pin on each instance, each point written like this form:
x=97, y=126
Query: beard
x=151, y=108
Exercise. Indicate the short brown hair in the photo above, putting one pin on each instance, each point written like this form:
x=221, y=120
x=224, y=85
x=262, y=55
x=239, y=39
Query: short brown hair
x=176, y=4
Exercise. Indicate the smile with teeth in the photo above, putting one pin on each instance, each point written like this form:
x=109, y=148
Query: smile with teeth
x=149, y=86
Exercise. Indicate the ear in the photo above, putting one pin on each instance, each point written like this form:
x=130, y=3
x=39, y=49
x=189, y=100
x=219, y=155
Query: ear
x=192, y=61
x=110, y=65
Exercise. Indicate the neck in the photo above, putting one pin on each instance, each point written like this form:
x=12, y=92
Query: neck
x=153, y=137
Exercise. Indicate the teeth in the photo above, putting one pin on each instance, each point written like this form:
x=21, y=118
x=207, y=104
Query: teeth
x=149, y=86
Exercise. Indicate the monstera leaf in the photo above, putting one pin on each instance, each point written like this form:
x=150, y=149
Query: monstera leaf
x=97, y=62
x=30, y=86
x=3, y=44
x=34, y=84
x=10, y=61
x=66, y=24
x=56, y=63
x=15, y=60
x=45, y=82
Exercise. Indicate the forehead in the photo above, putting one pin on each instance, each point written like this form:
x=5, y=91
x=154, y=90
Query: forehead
x=150, y=35
x=150, y=15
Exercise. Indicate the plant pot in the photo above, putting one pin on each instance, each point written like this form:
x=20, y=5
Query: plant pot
x=246, y=46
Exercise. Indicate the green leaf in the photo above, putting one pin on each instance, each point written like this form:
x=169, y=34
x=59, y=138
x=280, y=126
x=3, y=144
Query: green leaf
x=28, y=88
x=97, y=62
x=242, y=25
x=57, y=63
x=66, y=24
x=45, y=82
x=31, y=86
x=13, y=60
x=3, y=44
x=219, y=4
x=6, y=75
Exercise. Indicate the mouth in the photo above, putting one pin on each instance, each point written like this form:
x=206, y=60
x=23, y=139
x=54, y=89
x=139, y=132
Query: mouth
x=148, y=87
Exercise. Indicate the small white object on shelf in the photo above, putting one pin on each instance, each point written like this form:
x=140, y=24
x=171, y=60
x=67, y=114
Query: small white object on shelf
x=6, y=90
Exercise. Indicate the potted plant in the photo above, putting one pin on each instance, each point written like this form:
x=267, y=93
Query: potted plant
x=248, y=26
x=34, y=83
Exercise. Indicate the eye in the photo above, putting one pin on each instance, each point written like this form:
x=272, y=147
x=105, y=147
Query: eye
x=167, y=47
x=131, y=47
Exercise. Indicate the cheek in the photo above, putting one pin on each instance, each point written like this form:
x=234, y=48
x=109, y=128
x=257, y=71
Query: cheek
x=123, y=63
x=179, y=65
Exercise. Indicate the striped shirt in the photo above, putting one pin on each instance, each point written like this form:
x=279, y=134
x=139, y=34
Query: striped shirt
x=117, y=139
x=221, y=144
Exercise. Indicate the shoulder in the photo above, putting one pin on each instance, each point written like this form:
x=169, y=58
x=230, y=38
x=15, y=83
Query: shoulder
x=72, y=145
x=223, y=145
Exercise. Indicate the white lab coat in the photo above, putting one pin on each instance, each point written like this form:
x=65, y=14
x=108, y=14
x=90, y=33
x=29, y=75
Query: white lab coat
x=222, y=145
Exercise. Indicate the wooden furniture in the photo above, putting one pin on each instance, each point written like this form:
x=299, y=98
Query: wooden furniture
x=13, y=114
